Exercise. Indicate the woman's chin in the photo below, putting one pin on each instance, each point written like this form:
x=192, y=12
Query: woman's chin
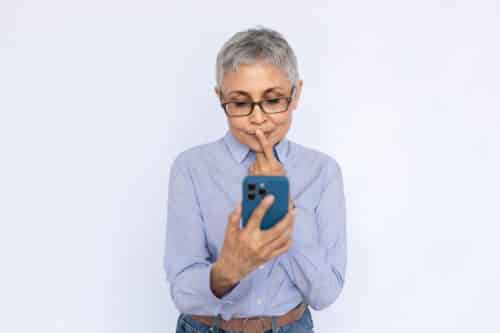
x=253, y=142
x=254, y=147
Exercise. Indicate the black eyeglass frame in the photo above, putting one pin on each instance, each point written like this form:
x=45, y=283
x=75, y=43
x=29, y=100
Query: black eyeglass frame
x=259, y=103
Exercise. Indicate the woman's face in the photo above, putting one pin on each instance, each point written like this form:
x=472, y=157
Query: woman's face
x=253, y=83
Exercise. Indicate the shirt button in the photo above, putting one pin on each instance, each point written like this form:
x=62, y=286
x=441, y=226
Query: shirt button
x=259, y=301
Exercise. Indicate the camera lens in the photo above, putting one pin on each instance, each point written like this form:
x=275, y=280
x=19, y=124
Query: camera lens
x=262, y=191
x=251, y=187
x=251, y=196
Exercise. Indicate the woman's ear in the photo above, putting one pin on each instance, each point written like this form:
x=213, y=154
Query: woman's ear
x=296, y=95
x=218, y=93
x=299, y=89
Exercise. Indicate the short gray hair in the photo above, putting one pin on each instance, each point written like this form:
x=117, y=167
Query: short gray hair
x=253, y=45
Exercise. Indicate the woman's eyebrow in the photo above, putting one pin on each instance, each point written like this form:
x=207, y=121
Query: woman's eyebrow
x=242, y=92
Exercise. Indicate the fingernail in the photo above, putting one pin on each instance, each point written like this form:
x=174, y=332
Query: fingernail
x=270, y=198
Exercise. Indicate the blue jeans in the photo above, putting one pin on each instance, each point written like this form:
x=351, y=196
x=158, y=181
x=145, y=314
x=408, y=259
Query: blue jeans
x=186, y=324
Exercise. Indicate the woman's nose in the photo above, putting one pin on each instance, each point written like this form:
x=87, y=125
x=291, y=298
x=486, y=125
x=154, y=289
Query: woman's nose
x=257, y=115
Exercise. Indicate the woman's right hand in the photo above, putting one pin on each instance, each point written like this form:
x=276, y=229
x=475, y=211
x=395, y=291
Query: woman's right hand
x=246, y=249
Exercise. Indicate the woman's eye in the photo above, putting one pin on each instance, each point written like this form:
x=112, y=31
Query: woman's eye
x=273, y=101
x=240, y=104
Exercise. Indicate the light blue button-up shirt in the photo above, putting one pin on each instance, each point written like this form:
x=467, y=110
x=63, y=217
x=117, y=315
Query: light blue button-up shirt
x=205, y=186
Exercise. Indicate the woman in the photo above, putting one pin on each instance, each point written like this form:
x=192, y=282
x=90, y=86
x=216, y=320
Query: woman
x=227, y=278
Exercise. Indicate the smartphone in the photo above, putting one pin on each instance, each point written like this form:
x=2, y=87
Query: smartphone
x=255, y=188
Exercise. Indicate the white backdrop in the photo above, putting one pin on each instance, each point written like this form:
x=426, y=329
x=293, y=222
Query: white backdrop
x=98, y=97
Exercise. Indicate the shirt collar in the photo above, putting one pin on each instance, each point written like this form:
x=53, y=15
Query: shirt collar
x=240, y=150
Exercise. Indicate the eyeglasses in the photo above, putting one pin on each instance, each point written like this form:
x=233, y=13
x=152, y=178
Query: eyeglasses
x=269, y=106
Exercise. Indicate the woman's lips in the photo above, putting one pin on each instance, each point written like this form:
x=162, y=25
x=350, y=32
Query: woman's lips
x=265, y=133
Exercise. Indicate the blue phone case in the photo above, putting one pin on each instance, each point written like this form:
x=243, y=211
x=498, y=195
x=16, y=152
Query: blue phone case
x=255, y=188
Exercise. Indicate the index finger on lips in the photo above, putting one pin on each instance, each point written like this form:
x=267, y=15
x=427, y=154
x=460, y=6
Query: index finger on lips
x=266, y=145
x=259, y=212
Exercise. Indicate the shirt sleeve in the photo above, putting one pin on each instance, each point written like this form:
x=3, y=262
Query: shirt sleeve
x=187, y=261
x=316, y=261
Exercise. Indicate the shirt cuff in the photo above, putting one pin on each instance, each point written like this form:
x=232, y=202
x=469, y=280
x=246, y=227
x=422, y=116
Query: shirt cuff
x=238, y=292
